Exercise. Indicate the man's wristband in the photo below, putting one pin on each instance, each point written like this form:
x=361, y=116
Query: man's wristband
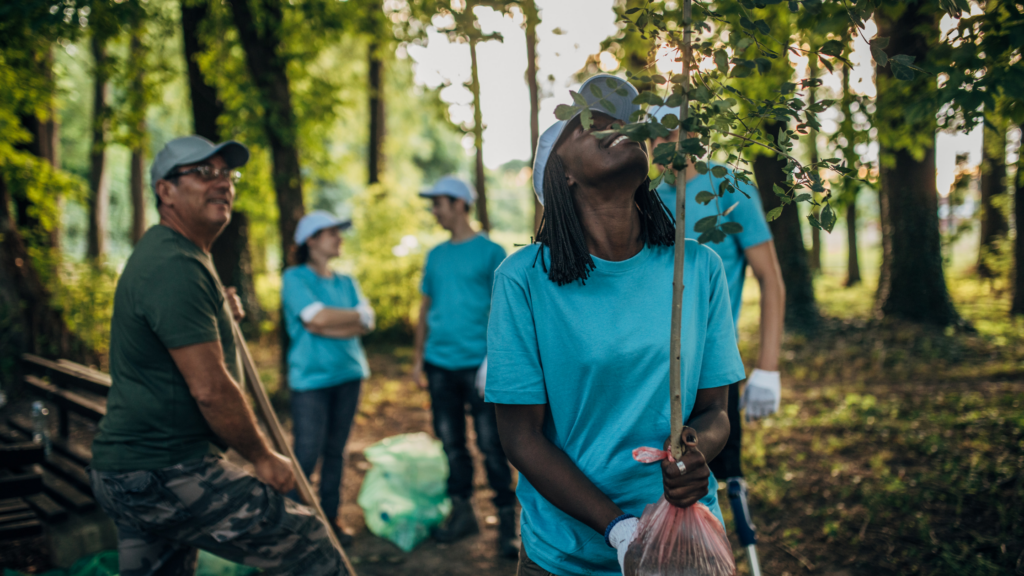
x=608, y=530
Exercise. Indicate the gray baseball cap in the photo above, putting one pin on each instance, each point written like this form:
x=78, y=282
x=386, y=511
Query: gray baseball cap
x=194, y=149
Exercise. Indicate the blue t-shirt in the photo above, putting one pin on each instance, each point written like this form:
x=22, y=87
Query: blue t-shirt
x=598, y=356
x=748, y=212
x=458, y=280
x=314, y=361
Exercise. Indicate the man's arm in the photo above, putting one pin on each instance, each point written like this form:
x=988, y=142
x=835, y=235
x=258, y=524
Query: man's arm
x=223, y=405
x=336, y=323
x=549, y=469
x=765, y=265
x=704, y=437
x=419, y=341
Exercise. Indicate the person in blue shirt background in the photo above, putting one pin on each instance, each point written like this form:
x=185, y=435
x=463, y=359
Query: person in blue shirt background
x=578, y=349
x=450, y=347
x=325, y=313
x=753, y=246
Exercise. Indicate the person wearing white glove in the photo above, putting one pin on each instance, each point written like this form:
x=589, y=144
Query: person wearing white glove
x=325, y=314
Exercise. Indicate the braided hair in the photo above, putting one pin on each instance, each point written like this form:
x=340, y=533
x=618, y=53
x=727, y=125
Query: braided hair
x=562, y=232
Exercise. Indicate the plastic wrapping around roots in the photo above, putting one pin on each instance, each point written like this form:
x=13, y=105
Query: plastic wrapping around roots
x=673, y=541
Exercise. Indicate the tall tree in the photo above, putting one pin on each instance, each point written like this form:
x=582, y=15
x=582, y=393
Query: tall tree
x=993, y=186
x=911, y=284
x=1017, y=305
x=206, y=107
x=531, y=17
x=138, y=102
x=376, y=93
x=814, y=258
x=261, y=36
x=99, y=174
x=849, y=187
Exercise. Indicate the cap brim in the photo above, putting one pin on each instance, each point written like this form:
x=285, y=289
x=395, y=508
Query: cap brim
x=234, y=154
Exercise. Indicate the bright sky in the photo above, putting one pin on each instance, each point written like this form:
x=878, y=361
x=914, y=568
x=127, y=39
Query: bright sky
x=581, y=26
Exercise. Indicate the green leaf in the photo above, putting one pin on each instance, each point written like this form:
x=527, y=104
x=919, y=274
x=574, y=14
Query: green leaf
x=704, y=197
x=746, y=23
x=670, y=121
x=701, y=167
x=879, y=55
x=596, y=90
x=719, y=171
x=705, y=224
x=762, y=27
x=701, y=94
x=578, y=99
x=794, y=6
x=565, y=112
x=607, y=105
x=778, y=190
x=586, y=119
x=901, y=71
x=658, y=79
x=732, y=227
x=773, y=214
x=802, y=198
x=722, y=61
x=632, y=11
x=663, y=153
x=832, y=48
x=828, y=218
x=764, y=65
x=641, y=22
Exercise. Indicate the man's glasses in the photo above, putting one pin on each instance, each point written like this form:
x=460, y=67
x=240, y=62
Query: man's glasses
x=208, y=173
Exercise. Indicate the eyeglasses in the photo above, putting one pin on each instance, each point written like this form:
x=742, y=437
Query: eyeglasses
x=208, y=173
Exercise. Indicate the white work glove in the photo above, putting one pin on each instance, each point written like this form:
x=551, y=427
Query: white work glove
x=620, y=537
x=481, y=377
x=367, y=317
x=762, y=395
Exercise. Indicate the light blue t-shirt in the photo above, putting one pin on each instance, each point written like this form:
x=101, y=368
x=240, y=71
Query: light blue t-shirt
x=598, y=356
x=458, y=280
x=749, y=213
x=314, y=361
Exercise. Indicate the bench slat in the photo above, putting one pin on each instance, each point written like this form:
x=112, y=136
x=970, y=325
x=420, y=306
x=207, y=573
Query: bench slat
x=69, y=374
x=67, y=399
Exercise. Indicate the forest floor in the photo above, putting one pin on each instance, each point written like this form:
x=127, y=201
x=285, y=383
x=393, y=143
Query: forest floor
x=898, y=449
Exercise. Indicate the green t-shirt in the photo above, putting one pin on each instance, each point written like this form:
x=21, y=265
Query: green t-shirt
x=168, y=296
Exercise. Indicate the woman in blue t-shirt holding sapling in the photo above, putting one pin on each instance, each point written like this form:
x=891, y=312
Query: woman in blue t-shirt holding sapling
x=578, y=349
x=325, y=313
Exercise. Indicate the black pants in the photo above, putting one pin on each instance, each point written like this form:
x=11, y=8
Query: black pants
x=727, y=463
x=450, y=393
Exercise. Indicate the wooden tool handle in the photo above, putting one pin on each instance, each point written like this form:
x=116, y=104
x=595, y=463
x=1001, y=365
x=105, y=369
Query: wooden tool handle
x=281, y=444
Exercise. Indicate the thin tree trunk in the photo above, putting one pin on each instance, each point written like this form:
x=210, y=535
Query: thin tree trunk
x=852, y=261
x=478, y=140
x=1017, y=306
x=138, y=160
x=993, y=185
x=376, y=78
x=206, y=108
x=850, y=186
x=911, y=285
x=814, y=262
x=233, y=261
x=266, y=63
x=532, y=19
x=801, y=308
x=99, y=175
x=44, y=146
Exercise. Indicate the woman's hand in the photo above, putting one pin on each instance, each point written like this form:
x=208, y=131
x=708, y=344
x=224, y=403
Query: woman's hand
x=685, y=486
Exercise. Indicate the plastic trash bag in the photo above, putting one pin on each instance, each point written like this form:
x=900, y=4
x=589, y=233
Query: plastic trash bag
x=673, y=541
x=405, y=494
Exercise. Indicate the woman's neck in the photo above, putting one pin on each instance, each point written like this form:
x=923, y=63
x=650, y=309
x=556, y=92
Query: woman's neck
x=318, y=264
x=611, y=223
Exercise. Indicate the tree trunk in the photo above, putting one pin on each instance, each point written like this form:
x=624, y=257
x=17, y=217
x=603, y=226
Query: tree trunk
x=206, y=108
x=376, y=77
x=814, y=262
x=233, y=261
x=852, y=261
x=801, y=308
x=478, y=140
x=99, y=175
x=532, y=19
x=138, y=160
x=1017, y=306
x=993, y=185
x=28, y=321
x=266, y=63
x=911, y=284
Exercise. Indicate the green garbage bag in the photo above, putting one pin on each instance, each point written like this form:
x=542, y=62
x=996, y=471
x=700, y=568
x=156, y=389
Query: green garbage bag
x=404, y=495
x=212, y=565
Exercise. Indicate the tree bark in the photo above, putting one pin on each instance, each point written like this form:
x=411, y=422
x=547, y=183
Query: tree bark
x=993, y=185
x=801, y=307
x=850, y=187
x=266, y=63
x=911, y=284
x=814, y=262
x=376, y=78
x=99, y=175
x=1017, y=305
x=852, y=260
x=532, y=19
x=206, y=108
x=233, y=261
x=28, y=321
x=138, y=159
x=478, y=139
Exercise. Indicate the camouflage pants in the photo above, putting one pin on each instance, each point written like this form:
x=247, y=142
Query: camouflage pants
x=165, y=516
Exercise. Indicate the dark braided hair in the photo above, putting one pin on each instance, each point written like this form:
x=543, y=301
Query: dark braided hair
x=562, y=232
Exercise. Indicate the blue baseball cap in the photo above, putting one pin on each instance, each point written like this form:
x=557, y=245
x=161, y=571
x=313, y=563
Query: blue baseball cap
x=316, y=221
x=192, y=150
x=454, y=187
x=603, y=93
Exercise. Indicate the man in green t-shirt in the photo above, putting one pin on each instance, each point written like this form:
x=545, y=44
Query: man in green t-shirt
x=176, y=399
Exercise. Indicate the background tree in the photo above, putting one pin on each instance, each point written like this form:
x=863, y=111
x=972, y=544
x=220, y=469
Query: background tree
x=531, y=18
x=103, y=26
x=206, y=107
x=1017, y=304
x=994, y=225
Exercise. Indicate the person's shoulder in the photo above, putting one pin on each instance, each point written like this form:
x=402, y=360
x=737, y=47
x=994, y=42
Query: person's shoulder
x=295, y=273
x=521, y=263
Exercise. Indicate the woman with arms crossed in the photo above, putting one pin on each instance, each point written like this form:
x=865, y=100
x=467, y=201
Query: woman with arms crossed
x=578, y=349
